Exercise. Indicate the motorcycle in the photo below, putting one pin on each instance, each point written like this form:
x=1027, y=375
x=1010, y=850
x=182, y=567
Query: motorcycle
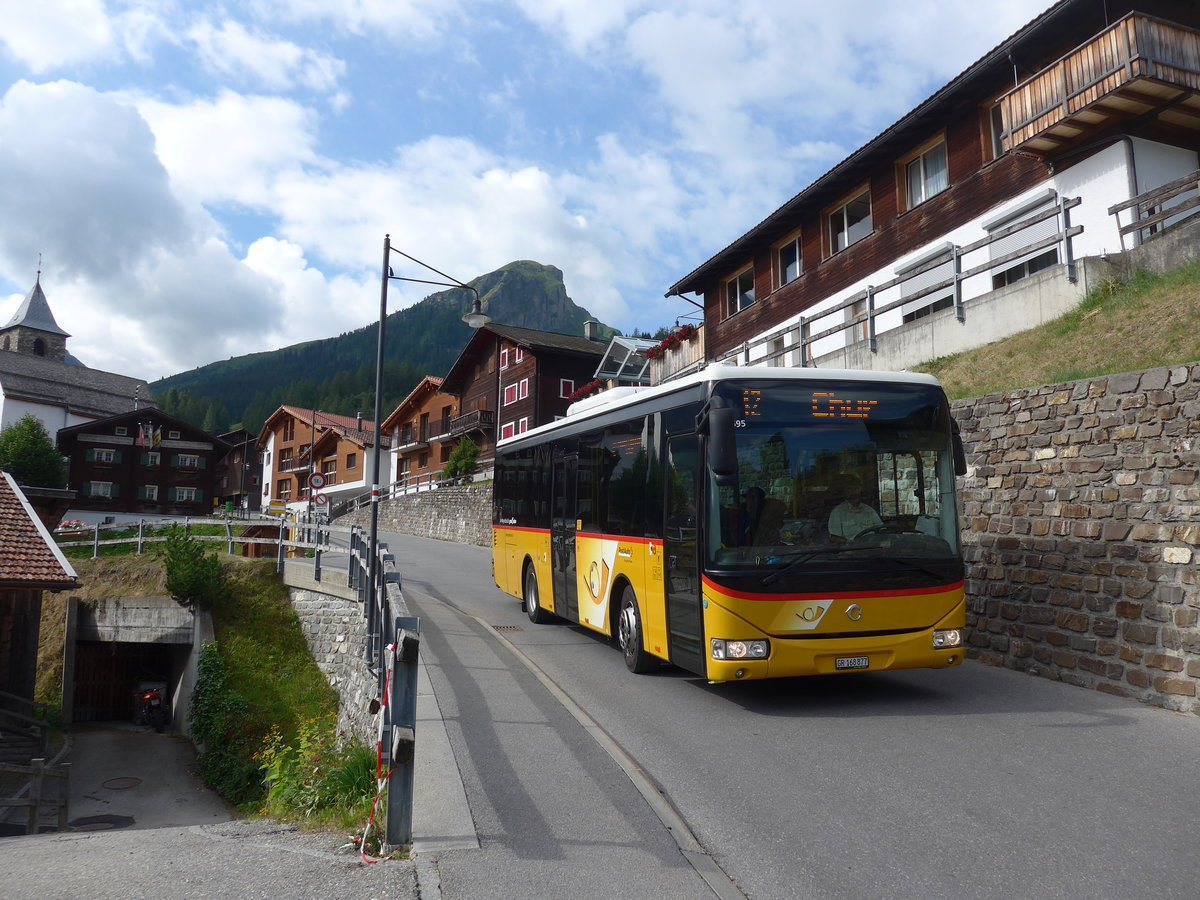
x=153, y=711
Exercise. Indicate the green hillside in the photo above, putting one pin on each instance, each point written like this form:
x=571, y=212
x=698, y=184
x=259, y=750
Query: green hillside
x=337, y=374
x=1121, y=326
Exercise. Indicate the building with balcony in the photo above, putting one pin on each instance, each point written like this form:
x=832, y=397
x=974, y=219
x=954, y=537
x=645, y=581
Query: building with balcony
x=296, y=443
x=980, y=213
x=509, y=379
x=140, y=464
x=421, y=433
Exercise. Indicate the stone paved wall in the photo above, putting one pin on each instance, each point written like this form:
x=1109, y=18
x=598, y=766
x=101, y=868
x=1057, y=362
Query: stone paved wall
x=335, y=630
x=1081, y=525
x=460, y=513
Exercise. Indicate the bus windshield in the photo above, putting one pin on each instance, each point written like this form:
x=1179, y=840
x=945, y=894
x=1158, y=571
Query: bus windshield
x=837, y=476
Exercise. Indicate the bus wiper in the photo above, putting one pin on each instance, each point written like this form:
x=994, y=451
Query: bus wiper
x=914, y=565
x=804, y=557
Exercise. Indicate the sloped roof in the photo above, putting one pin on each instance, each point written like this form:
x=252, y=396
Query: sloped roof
x=83, y=391
x=30, y=558
x=34, y=312
x=428, y=384
x=348, y=426
x=980, y=79
x=149, y=415
x=530, y=338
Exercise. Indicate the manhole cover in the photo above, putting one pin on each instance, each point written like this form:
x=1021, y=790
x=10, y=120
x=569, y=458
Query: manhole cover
x=101, y=823
x=506, y=628
x=122, y=784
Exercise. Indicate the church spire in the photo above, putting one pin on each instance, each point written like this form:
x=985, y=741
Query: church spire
x=35, y=312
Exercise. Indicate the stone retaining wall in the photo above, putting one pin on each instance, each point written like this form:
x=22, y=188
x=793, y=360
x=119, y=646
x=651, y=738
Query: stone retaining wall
x=459, y=513
x=335, y=630
x=1081, y=524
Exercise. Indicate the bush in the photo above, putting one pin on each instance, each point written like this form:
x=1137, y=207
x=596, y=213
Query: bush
x=221, y=728
x=316, y=778
x=195, y=579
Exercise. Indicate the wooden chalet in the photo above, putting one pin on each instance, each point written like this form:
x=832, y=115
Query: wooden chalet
x=342, y=453
x=419, y=430
x=969, y=218
x=509, y=380
x=142, y=463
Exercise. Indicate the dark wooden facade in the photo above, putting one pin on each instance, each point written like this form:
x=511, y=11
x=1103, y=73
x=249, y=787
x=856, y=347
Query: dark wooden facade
x=510, y=380
x=142, y=462
x=981, y=176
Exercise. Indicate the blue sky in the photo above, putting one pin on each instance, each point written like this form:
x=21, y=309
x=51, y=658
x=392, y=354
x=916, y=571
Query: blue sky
x=207, y=180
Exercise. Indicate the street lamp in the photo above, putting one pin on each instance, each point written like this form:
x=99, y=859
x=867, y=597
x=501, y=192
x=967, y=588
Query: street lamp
x=476, y=318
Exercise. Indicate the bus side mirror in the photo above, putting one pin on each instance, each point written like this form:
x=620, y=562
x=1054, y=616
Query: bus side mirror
x=722, y=451
x=960, y=454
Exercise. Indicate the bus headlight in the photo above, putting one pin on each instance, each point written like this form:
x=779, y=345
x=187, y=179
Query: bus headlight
x=943, y=640
x=740, y=649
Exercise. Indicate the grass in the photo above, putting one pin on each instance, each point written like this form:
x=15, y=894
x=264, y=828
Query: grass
x=1143, y=322
x=258, y=637
x=77, y=544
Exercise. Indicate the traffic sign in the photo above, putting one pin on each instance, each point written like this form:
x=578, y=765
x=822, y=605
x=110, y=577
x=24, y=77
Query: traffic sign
x=320, y=499
x=316, y=481
x=277, y=507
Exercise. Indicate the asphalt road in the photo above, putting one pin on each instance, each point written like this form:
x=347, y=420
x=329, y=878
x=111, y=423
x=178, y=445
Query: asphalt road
x=972, y=781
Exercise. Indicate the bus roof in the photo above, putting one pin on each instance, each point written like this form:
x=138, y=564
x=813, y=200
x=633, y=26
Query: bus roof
x=618, y=398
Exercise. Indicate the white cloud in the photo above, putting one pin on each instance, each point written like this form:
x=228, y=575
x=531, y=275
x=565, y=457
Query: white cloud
x=51, y=34
x=413, y=20
x=231, y=148
x=233, y=51
x=136, y=275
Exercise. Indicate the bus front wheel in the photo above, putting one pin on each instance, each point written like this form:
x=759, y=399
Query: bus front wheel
x=537, y=615
x=629, y=635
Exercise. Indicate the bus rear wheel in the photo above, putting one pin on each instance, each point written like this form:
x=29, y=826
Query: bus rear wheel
x=537, y=615
x=629, y=635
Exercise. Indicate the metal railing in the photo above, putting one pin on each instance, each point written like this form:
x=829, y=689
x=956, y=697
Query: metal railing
x=873, y=301
x=392, y=651
x=1152, y=213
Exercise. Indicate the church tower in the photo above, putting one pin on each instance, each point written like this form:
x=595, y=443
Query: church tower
x=33, y=331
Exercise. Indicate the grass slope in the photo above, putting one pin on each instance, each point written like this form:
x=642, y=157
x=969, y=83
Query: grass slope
x=1142, y=323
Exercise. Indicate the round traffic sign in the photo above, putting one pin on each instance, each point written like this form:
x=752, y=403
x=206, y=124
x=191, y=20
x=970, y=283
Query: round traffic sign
x=320, y=499
x=316, y=481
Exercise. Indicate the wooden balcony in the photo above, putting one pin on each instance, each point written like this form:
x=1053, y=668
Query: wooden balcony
x=1141, y=70
x=479, y=420
x=680, y=360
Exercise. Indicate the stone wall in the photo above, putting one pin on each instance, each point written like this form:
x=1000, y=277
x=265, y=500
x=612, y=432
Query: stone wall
x=460, y=513
x=335, y=630
x=1081, y=528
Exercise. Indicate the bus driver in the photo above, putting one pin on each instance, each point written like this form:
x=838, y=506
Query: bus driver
x=851, y=517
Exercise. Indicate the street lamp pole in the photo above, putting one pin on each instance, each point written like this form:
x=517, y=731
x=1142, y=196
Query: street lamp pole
x=476, y=318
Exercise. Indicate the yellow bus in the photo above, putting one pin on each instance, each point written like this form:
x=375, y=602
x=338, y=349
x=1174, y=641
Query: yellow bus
x=744, y=522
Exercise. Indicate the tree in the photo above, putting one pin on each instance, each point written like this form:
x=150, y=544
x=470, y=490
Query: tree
x=195, y=579
x=28, y=454
x=462, y=461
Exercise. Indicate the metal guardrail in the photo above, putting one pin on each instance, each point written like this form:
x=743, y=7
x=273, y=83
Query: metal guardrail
x=392, y=652
x=798, y=337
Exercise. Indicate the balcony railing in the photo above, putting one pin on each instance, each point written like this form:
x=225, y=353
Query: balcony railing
x=412, y=439
x=687, y=357
x=478, y=420
x=1139, y=66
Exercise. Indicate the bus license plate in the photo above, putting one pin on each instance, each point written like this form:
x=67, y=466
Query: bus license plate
x=851, y=662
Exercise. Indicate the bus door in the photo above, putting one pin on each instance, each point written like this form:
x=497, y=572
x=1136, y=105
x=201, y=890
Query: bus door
x=682, y=571
x=562, y=537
